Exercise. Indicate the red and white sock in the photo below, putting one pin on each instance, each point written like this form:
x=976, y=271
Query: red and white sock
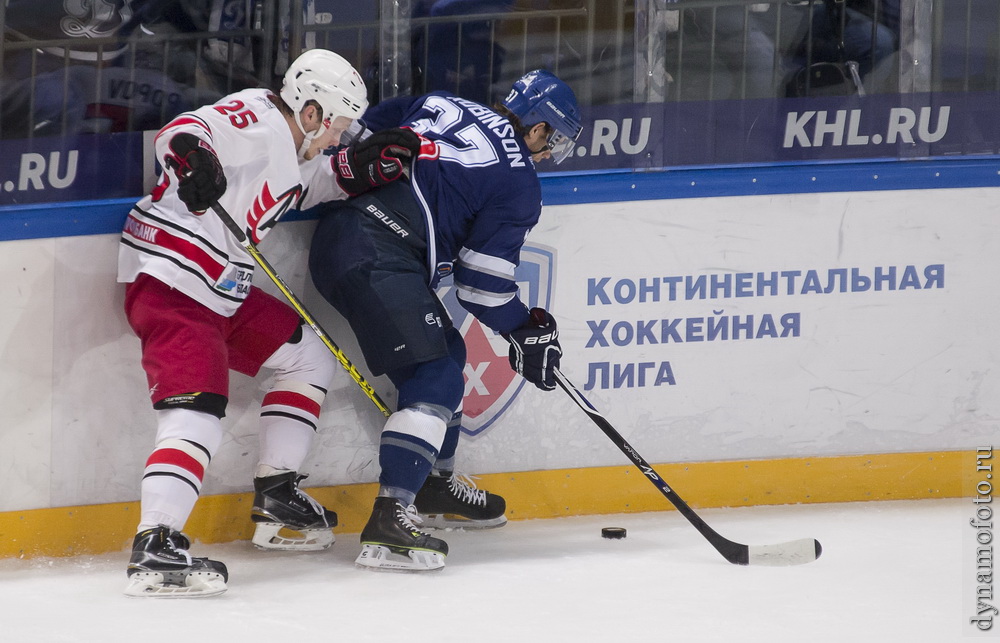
x=186, y=440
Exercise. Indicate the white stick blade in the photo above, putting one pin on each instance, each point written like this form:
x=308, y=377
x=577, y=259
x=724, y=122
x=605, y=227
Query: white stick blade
x=795, y=552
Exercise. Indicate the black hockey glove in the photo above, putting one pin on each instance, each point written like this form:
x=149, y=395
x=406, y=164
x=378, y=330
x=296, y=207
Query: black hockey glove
x=200, y=179
x=375, y=161
x=535, y=351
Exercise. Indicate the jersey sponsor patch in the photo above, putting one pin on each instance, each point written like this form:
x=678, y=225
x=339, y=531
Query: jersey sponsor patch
x=235, y=280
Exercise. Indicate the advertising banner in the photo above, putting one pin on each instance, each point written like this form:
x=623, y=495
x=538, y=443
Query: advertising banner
x=765, y=131
x=635, y=136
x=76, y=168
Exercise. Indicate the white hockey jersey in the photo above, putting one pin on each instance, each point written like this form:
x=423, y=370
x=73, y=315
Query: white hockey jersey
x=197, y=254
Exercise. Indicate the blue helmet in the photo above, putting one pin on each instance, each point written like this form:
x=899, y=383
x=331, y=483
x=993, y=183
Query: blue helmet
x=539, y=96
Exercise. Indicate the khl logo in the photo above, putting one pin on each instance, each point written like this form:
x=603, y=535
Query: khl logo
x=490, y=384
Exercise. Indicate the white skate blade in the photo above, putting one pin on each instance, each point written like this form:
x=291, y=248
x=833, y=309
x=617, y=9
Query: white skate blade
x=278, y=537
x=381, y=558
x=454, y=521
x=197, y=585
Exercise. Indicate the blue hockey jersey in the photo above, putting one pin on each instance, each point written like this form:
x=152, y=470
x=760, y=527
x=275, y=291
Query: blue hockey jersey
x=480, y=194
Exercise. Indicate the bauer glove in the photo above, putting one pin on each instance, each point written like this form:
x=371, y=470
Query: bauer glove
x=535, y=351
x=200, y=179
x=375, y=161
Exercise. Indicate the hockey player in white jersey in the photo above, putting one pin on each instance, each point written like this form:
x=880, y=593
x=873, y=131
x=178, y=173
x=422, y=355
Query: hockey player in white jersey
x=190, y=300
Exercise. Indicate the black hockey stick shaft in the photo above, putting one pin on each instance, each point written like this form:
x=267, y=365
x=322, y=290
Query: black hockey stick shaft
x=299, y=307
x=796, y=552
x=733, y=552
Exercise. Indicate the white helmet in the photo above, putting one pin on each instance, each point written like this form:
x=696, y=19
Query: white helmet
x=328, y=79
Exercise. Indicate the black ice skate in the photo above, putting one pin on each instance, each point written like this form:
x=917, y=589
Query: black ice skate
x=452, y=500
x=392, y=542
x=161, y=567
x=287, y=518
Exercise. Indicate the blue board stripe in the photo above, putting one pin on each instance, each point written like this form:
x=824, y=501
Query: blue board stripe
x=107, y=216
x=789, y=179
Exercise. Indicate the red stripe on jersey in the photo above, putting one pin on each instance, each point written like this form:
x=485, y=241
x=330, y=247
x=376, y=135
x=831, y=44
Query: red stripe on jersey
x=295, y=400
x=177, y=458
x=147, y=233
x=184, y=120
x=261, y=205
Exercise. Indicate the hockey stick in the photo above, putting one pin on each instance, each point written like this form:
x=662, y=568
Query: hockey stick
x=251, y=247
x=795, y=552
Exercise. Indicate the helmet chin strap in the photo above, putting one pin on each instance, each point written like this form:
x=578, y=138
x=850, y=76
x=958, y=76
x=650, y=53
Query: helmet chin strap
x=302, y=128
x=309, y=137
x=306, y=142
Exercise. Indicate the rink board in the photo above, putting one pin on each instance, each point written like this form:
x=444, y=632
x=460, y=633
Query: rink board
x=642, y=289
x=71, y=531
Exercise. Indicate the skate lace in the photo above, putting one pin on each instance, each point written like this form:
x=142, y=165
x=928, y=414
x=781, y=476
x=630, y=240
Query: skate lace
x=464, y=488
x=410, y=519
x=178, y=548
x=316, y=507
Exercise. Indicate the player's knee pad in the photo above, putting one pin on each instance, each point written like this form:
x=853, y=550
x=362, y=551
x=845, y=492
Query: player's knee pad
x=304, y=367
x=293, y=400
x=186, y=441
x=211, y=403
x=417, y=424
x=304, y=358
x=201, y=430
x=437, y=383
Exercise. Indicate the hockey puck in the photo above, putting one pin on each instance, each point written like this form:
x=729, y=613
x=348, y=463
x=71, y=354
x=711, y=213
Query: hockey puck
x=614, y=533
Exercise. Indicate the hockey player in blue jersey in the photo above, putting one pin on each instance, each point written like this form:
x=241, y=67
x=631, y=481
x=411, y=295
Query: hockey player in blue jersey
x=472, y=198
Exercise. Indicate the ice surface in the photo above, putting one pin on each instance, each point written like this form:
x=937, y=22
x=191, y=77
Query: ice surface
x=890, y=571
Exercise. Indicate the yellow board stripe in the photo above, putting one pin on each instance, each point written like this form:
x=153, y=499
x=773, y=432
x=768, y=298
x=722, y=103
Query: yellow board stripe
x=95, y=529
